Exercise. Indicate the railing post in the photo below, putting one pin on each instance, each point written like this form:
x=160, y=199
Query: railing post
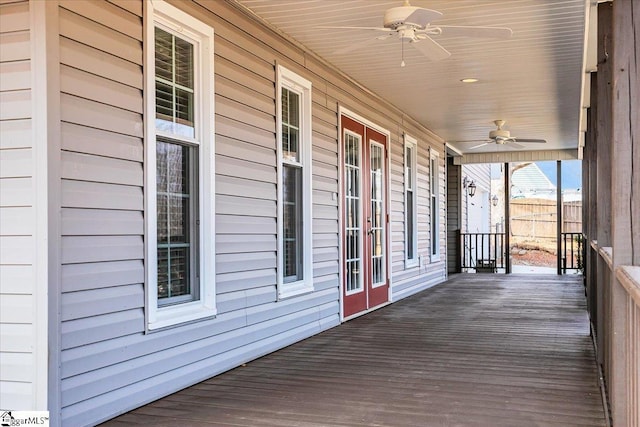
x=507, y=219
x=559, y=216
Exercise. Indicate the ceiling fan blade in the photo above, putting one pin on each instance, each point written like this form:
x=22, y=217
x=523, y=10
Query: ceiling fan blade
x=430, y=48
x=480, y=145
x=354, y=46
x=471, y=140
x=382, y=29
x=422, y=17
x=489, y=32
x=516, y=145
x=528, y=140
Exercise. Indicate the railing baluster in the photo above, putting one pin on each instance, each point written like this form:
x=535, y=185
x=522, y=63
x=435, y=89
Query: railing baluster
x=572, y=250
x=473, y=251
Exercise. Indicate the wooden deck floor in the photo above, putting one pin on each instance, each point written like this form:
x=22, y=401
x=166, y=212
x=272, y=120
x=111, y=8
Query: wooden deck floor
x=480, y=350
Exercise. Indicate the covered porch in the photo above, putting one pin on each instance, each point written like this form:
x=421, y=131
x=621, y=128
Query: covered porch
x=498, y=350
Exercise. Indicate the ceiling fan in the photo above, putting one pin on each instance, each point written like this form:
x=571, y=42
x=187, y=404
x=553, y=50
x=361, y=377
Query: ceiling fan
x=501, y=137
x=411, y=23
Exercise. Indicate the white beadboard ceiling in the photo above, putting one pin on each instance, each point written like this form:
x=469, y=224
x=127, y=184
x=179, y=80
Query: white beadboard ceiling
x=532, y=80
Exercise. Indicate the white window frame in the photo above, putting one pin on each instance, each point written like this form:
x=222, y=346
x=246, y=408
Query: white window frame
x=410, y=143
x=295, y=83
x=201, y=35
x=434, y=191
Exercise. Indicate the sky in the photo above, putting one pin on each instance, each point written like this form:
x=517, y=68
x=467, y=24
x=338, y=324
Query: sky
x=571, y=173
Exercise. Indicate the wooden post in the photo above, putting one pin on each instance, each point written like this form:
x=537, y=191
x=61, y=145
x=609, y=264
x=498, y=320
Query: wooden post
x=603, y=174
x=559, y=215
x=591, y=203
x=507, y=218
x=625, y=201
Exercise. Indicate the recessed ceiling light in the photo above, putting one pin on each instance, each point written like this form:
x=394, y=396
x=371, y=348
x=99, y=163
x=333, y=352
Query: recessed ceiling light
x=469, y=80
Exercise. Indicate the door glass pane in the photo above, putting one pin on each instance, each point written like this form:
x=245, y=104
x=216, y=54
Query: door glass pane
x=377, y=215
x=353, y=227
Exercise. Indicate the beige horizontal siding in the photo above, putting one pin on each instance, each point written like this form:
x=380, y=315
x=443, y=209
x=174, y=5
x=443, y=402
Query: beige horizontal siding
x=17, y=212
x=102, y=183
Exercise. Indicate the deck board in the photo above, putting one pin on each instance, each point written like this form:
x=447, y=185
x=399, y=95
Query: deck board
x=478, y=350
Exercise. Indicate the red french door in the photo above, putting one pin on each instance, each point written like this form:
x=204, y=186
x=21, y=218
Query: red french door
x=364, y=217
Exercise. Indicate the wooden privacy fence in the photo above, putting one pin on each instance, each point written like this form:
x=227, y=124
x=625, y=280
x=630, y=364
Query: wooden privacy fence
x=536, y=218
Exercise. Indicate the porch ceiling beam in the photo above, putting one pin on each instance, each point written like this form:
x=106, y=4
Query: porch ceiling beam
x=516, y=156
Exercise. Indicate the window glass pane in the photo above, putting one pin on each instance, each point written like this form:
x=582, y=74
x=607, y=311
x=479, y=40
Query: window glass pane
x=292, y=223
x=178, y=214
x=179, y=272
x=410, y=231
x=293, y=118
x=163, y=273
x=434, y=228
x=409, y=167
x=184, y=108
x=174, y=69
x=176, y=191
x=163, y=225
x=184, y=63
x=290, y=125
x=164, y=101
x=433, y=175
x=164, y=48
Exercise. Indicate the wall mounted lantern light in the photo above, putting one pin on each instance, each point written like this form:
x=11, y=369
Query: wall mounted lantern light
x=470, y=185
x=494, y=200
x=471, y=188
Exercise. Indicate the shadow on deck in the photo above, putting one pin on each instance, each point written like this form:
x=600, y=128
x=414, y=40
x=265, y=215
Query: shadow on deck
x=484, y=350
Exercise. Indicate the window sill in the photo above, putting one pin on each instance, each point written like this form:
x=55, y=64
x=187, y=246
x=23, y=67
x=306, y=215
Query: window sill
x=180, y=313
x=410, y=263
x=294, y=289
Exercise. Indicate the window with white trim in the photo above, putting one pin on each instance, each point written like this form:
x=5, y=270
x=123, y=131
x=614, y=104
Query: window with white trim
x=295, y=263
x=434, y=182
x=179, y=168
x=410, y=213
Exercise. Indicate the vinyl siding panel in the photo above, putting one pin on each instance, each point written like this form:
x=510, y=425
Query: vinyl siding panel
x=15, y=134
x=18, y=287
x=454, y=215
x=109, y=363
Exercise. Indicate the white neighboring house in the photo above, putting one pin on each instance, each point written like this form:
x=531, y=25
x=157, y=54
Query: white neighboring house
x=530, y=182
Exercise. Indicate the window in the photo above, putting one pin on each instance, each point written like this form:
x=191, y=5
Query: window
x=410, y=216
x=294, y=185
x=434, y=171
x=179, y=184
